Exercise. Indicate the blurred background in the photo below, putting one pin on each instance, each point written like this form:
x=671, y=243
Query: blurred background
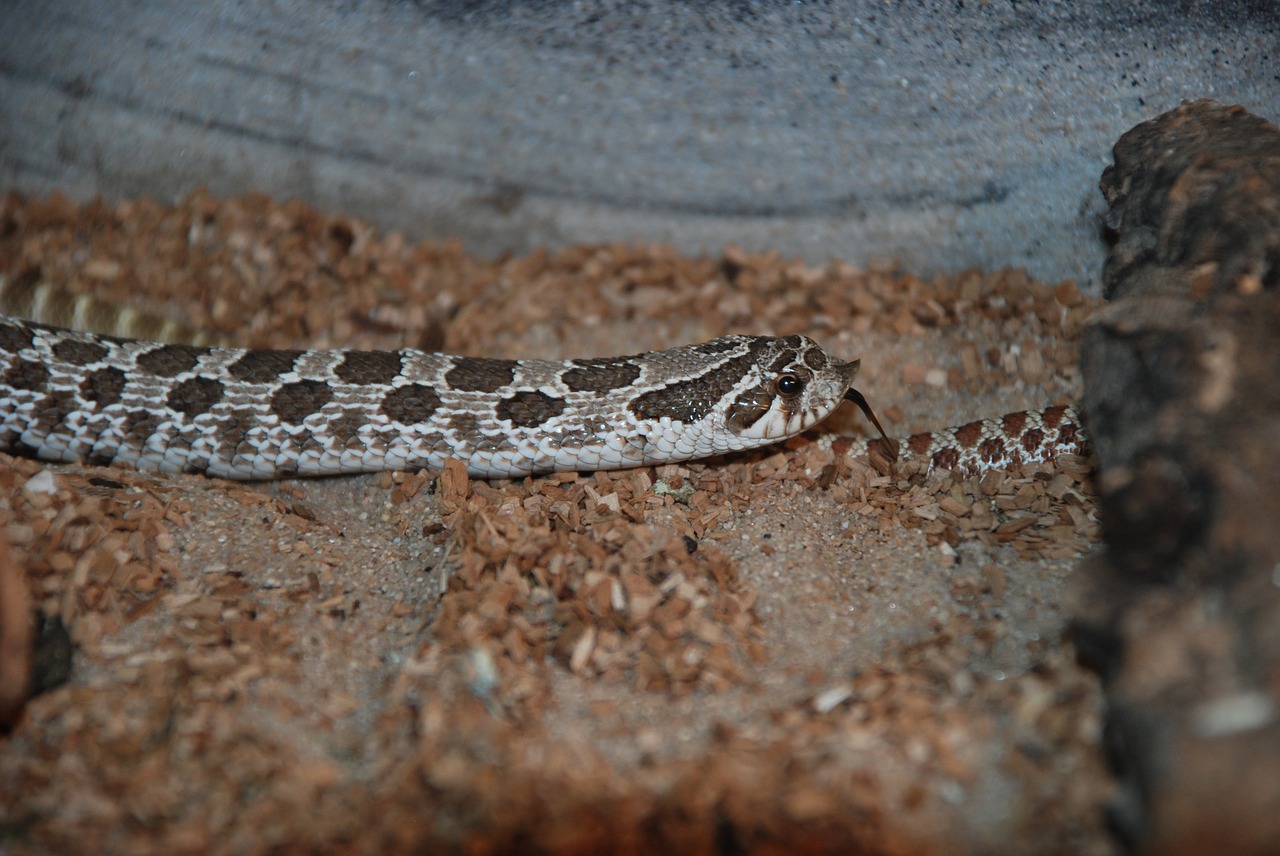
x=945, y=134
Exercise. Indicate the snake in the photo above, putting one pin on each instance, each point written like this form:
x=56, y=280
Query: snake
x=254, y=414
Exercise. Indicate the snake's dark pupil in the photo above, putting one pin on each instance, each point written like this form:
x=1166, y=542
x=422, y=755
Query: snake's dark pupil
x=789, y=384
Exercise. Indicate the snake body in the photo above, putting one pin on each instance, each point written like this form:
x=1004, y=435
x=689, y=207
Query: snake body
x=263, y=414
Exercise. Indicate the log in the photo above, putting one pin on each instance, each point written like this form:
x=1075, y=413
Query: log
x=1182, y=394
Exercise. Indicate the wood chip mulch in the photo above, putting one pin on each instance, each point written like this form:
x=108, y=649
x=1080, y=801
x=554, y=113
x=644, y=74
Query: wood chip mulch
x=564, y=663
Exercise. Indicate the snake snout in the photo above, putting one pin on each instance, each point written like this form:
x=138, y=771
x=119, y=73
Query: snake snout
x=848, y=371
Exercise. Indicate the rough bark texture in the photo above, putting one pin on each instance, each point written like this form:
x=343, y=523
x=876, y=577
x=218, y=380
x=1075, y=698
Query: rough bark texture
x=1183, y=614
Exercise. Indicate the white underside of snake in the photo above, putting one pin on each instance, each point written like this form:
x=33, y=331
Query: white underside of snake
x=263, y=414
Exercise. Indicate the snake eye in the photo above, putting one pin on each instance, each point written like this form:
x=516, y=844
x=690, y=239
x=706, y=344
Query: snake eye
x=789, y=384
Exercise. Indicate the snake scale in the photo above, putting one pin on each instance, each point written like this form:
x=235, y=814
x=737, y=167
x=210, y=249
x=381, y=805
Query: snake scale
x=264, y=414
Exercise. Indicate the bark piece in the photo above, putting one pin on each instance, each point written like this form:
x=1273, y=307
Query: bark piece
x=1183, y=614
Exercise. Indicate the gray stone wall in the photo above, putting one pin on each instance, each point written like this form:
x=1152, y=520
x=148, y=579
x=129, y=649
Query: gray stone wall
x=947, y=134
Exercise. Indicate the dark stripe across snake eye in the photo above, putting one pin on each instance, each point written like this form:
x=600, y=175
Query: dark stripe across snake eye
x=748, y=409
x=690, y=400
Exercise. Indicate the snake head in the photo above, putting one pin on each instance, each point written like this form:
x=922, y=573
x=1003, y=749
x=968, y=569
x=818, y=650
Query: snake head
x=795, y=386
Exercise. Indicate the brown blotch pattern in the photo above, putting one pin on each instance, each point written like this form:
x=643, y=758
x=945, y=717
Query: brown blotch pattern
x=263, y=366
x=1069, y=435
x=466, y=425
x=79, y=353
x=15, y=337
x=947, y=458
x=364, y=367
x=104, y=387
x=1053, y=416
x=969, y=435
x=25, y=374
x=234, y=433
x=1013, y=423
x=602, y=375
x=138, y=426
x=815, y=359
x=1032, y=440
x=475, y=374
x=345, y=430
x=529, y=408
x=411, y=404
x=691, y=400
x=53, y=409
x=294, y=402
x=992, y=449
x=170, y=360
x=194, y=396
x=918, y=444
